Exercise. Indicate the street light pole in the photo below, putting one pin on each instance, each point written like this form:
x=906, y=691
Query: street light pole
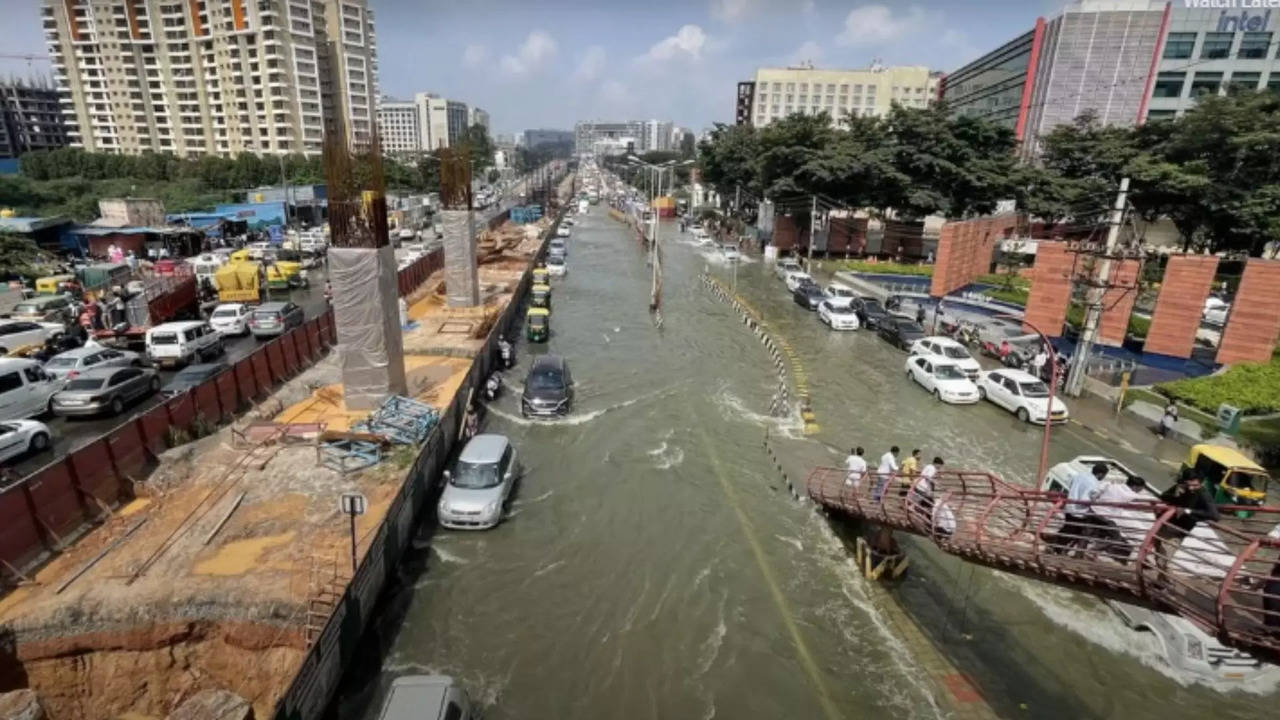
x=1053, y=387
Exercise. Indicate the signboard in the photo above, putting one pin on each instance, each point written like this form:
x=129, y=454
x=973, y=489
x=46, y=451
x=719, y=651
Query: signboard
x=258, y=216
x=353, y=503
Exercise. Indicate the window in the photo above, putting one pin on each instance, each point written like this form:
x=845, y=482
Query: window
x=1255, y=46
x=1273, y=82
x=1206, y=83
x=1168, y=85
x=1155, y=115
x=1243, y=81
x=1216, y=46
x=10, y=381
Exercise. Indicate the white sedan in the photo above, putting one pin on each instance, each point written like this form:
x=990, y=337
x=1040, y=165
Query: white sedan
x=563, y=232
x=20, y=436
x=556, y=266
x=16, y=334
x=1022, y=394
x=947, y=350
x=797, y=277
x=233, y=318
x=838, y=315
x=946, y=381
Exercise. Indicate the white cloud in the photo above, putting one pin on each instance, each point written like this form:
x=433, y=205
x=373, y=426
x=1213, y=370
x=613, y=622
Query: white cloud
x=536, y=49
x=810, y=50
x=808, y=7
x=592, y=64
x=475, y=55
x=731, y=11
x=688, y=40
x=878, y=24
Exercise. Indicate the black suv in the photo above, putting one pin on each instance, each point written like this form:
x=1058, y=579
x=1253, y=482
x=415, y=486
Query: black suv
x=900, y=331
x=808, y=295
x=870, y=311
x=548, y=388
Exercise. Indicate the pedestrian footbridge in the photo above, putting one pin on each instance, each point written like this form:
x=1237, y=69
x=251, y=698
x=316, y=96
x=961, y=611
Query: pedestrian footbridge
x=1224, y=576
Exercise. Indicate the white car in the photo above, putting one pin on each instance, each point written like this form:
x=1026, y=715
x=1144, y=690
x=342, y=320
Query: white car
x=730, y=253
x=836, y=290
x=16, y=334
x=786, y=267
x=20, y=436
x=563, y=231
x=231, y=319
x=67, y=365
x=946, y=381
x=947, y=350
x=556, y=266
x=838, y=314
x=796, y=278
x=1216, y=311
x=1022, y=394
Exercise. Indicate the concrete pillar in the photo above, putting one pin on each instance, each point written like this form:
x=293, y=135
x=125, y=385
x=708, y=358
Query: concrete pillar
x=1050, y=288
x=1254, y=322
x=365, y=310
x=461, y=277
x=1117, y=303
x=1186, y=283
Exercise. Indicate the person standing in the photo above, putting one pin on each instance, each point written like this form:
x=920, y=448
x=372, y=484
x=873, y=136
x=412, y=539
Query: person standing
x=910, y=467
x=1168, y=419
x=885, y=473
x=920, y=314
x=1193, y=504
x=856, y=468
x=1084, y=488
x=1040, y=361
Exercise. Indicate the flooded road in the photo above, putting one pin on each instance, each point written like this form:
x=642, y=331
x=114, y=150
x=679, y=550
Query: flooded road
x=652, y=564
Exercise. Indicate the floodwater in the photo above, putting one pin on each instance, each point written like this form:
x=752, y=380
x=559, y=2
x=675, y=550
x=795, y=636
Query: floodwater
x=653, y=565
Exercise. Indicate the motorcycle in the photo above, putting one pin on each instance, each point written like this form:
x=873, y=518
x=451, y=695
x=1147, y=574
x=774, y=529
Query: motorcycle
x=493, y=387
x=507, y=354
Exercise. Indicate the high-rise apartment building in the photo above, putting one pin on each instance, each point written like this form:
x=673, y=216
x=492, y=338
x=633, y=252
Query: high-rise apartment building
x=399, y=126
x=657, y=135
x=30, y=119
x=195, y=77
x=457, y=115
x=479, y=117
x=605, y=138
x=778, y=92
x=436, y=122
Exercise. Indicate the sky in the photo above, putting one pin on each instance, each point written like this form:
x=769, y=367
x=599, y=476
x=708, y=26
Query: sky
x=550, y=63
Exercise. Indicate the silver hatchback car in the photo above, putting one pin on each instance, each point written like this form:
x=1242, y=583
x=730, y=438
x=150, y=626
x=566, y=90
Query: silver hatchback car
x=477, y=488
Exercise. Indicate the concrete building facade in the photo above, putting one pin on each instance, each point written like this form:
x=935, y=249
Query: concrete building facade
x=537, y=138
x=30, y=119
x=399, y=126
x=222, y=78
x=456, y=116
x=657, y=135
x=775, y=93
x=478, y=117
x=608, y=137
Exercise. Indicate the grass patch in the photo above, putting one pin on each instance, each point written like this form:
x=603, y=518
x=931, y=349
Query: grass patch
x=1255, y=389
x=885, y=268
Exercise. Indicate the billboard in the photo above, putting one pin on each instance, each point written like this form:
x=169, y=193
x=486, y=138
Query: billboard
x=258, y=216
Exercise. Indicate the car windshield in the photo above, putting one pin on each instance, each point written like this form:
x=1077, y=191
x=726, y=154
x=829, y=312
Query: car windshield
x=225, y=312
x=26, y=308
x=474, y=475
x=1035, y=389
x=61, y=362
x=871, y=305
x=948, y=372
x=839, y=309
x=909, y=328
x=164, y=338
x=271, y=315
x=555, y=260
x=545, y=380
x=192, y=375
x=956, y=353
x=84, y=384
x=537, y=321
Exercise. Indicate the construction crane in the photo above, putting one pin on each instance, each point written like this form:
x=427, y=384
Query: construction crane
x=24, y=56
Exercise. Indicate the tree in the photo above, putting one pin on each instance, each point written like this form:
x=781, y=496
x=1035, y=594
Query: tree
x=19, y=257
x=727, y=159
x=476, y=140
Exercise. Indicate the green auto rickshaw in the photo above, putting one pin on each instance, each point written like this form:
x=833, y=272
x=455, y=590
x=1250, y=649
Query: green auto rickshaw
x=537, y=327
x=540, y=296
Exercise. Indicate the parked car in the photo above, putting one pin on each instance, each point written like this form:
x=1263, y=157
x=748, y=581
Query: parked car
x=870, y=311
x=838, y=315
x=797, y=278
x=26, y=389
x=808, y=296
x=1022, y=394
x=478, y=485
x=231, y=319
x=548, y=388
x=900, y=331
x=182, y=343
x=836, y=290
x=556, y=265
x=944, y=348
x=15, y=334
x=69, y=365
x=563, y=231
x=106, y=391
x=18, y=437
x=1216, y=310
x=785, y=267
x=730, y=253
x=943, y=379
x=190, y=377
x=275, y=318
x=426, y=697
x=44, y=308
x=557, y=246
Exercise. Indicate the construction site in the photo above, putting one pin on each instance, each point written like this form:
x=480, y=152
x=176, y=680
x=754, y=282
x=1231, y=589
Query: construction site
x=219, y=587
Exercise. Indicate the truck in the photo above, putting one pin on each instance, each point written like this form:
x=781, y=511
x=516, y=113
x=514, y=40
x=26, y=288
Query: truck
x=162, y=299
x=239, y=282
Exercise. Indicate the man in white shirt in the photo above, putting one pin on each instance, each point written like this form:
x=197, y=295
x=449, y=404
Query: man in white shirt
x=1085, y=487
x=856, y=466
x=885, y=473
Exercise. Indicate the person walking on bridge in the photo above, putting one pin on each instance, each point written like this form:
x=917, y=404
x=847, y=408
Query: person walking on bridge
x=1193, y=504
x=910, y=467
x=885, y=473
x=1085, y=488
x=856, y=467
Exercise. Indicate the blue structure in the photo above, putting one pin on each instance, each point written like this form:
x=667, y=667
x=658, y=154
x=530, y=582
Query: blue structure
x=522, y=214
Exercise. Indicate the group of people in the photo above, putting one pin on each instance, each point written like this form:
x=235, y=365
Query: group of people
x=914, y=480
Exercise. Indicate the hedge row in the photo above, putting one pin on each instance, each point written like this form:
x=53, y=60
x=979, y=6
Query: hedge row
x=1255, y=389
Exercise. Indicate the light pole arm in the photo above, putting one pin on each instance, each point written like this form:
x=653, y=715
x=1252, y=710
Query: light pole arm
x=1043, y=468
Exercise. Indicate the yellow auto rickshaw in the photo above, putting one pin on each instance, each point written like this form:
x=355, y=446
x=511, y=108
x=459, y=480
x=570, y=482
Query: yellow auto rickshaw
x=541, y=276
x=285, y=274
x=57, y=285
x=540, y=296
x=537, y=326
x=1232, y=478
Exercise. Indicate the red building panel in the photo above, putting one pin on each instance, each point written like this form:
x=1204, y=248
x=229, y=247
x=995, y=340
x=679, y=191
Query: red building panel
x=1254, y=323
x=965, y=251
x=1187, y=281
x=1117, y=302
x=1050, y=288
x=786, y=236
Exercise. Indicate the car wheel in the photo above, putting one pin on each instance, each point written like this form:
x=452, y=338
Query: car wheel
x=39, y=442
x=48, y=406
x=155, y=384
x=982, y=393
x=117, y=405
x=1022, y=414
x=937, y=395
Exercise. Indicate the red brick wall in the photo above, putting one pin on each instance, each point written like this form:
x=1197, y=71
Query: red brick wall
x=1187, y=281
x=1117, y=302
x=847, y=235
x=1254, y=323
x=1050, y=288
x=965, y=251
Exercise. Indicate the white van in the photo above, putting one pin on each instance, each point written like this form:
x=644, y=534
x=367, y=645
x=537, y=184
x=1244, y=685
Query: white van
x=25, y=389
x=182, y=343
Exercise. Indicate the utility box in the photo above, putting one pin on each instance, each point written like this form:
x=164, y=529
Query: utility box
x=1229, y=419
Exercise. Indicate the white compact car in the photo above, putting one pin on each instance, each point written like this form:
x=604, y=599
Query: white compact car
x=68, y=365
x=947, y=350
x=944, y=379
x=786, y=267
x=20, y=436
x=838, y=314
x=563, y=231
x=836, y=290
x=1022, y=394
x=1216, y=311
x=231, y=319
x=556, y=266
x=730, y=252
x=16, y=334
x=796, y=278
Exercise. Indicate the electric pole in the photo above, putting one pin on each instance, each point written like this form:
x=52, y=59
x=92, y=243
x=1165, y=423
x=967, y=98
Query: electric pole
x=1094, y=296
x=813, y=224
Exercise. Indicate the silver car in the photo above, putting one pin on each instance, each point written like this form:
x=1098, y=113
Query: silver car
x=479, y=484
x=72, y=363
x=107, y=391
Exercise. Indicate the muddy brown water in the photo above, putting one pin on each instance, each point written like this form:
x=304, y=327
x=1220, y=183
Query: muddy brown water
x=652, y=564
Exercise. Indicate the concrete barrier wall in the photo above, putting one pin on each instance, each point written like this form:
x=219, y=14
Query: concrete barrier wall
x=326, y=662
x=1187, y=282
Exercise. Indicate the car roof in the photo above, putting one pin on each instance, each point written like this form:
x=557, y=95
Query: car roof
x=180, y=325
x=554, y=259
x=11, y=364
x=1016, y=375
x=548, y=362
x=942, y=340
x=42, y=300
x=484, y=448
x=101, y=373
x=80, y=352
x=272, y=306
x=222, y=306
